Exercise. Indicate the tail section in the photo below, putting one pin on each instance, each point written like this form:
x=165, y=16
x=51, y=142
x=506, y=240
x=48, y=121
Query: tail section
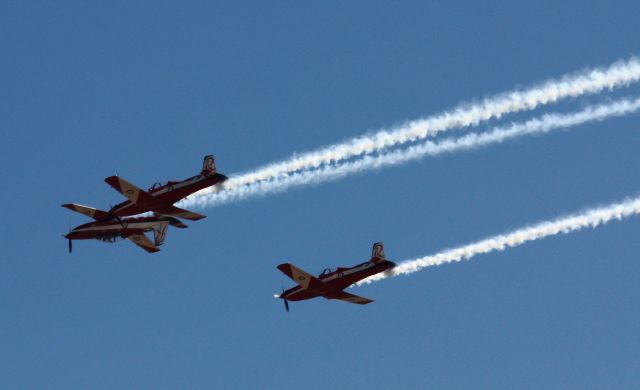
x=377, y=253
x=305, y=280
x=90, y=212
x=180, y=213
x=160, y=233
x=208, y=166
x=175, y=222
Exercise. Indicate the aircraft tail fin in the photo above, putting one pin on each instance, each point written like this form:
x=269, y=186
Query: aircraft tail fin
x=377, y=253
x=90, y=212
x=305, y=280
x=130, y=191
x=209, y=165
x=160, y=233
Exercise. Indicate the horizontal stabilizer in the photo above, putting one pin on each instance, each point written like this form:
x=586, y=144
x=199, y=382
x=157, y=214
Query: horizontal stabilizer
x=130, y=191
x=180, y=213
x=88, y=211
x=143, y=242
x=175, y=222
x=305, y=280
x=351, y=298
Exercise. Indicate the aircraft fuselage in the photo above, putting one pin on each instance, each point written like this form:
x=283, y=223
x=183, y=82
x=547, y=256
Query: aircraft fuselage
x=113, y=228
x=166, y=195
x=338, y=280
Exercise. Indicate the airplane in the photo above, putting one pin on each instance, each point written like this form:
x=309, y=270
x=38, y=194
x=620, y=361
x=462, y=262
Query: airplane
x=331, y=284
x=160, y=198
x=110, y=229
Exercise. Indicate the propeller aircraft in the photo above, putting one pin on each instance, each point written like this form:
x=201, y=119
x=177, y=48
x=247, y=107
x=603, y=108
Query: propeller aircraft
x=161, y=197
x=331, y=284
x=110, y=229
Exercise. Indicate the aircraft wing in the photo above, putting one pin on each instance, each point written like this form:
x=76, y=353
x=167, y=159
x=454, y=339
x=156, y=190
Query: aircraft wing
x=143, y=242
x=130, y=191
x=345, y=296
x=304, y=280
x=88, y=211
x=140, y=196
x=180, y=213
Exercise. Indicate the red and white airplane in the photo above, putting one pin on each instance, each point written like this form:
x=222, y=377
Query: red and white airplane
x=331, y=284
x=109, y=229
x=160, y=198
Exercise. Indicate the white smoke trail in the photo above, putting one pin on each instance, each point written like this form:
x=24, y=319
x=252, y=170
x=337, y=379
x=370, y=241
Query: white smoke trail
x=543, y=124
x=588, y=219
x=590, y=81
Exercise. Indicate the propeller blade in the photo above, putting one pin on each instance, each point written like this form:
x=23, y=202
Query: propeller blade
x=70, y=245
x=286, y=303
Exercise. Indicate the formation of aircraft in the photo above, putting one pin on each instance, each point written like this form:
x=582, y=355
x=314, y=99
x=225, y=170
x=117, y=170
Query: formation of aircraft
x=109, y=226
x=123, y=221
x=331, y=284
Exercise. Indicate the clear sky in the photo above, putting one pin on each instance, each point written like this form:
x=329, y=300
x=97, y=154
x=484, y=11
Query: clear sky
x=90, y=90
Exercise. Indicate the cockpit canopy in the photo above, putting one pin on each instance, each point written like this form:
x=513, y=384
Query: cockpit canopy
x=326, y=271
x=158, y=185
x=154, y=186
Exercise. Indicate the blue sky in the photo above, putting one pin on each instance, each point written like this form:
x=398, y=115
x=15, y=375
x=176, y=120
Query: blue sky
x=93, y=90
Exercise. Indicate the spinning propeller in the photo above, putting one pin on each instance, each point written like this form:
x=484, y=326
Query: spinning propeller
x=286, y=303
x=70, y=244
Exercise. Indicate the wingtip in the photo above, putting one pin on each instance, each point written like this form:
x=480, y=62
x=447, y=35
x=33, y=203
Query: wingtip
x=286, y=269
x=284, y=266
x=111, y=179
